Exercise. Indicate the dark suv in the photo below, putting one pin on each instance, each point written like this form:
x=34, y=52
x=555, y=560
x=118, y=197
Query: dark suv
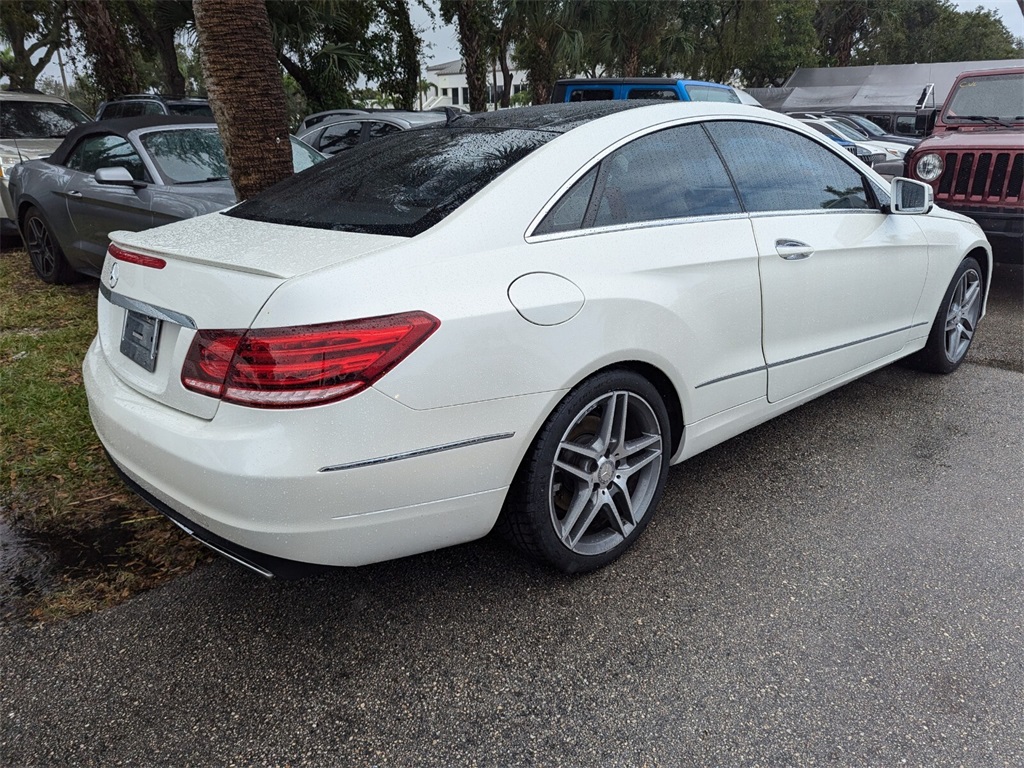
x=136, y=104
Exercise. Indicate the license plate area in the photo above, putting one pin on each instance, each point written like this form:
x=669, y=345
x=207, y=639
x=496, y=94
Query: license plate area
x=139, y=339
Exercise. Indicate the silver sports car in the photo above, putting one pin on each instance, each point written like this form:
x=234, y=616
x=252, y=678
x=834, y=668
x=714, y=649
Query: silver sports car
x=128, y=174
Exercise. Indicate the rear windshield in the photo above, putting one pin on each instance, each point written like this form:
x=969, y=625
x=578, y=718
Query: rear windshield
x=398, y=185
x=38, y=119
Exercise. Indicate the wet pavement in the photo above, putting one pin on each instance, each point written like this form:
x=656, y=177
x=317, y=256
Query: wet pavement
x=841, y=586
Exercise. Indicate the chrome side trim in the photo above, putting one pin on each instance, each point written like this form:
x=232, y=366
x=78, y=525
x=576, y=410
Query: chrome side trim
x=844, y=346
x=119, y=300
x=732, y=376
x=807, y=356
x=418, y=452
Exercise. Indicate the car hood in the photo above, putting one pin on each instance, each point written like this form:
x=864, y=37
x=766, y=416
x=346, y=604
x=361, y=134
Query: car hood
x=29, y=149
x=993, y=139
x=256, y=247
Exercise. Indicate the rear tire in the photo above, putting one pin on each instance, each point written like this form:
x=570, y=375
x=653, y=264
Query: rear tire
x=957, y=319
x=594, y=475
x=44, y=251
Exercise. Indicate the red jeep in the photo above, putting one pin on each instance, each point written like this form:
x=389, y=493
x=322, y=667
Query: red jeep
x=974, y=159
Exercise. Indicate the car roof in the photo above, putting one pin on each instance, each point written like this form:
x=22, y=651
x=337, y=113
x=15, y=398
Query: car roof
x=122, y=126
x=556, y=118
x=637, y=81
x=20, y=96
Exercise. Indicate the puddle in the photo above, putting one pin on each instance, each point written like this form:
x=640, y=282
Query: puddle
x=26, y=569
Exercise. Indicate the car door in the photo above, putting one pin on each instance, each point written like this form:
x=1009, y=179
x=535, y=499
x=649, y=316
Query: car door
x=656, y=241
x=840, y=278
x=99, y=209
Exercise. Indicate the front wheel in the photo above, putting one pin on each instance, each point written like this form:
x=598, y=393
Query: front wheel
x=957, y=320
x=44, y=251
x=594, y=475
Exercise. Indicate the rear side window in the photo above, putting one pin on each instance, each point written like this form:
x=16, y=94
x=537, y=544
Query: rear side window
x=402, y=186
x=592, y=94
x=671, y=174
x=665, y=94
x=710, y=93
x=780, y=170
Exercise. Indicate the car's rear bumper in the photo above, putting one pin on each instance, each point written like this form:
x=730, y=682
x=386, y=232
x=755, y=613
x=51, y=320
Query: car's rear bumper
x=351, y=483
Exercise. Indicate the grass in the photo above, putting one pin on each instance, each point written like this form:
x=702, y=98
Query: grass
x=103, y=544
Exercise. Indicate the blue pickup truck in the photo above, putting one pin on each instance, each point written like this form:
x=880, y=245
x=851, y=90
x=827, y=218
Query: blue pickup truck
x=668, y=88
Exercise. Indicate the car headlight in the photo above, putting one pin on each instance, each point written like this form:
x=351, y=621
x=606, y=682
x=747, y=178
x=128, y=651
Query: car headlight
x=6, y=163
x=928, y=167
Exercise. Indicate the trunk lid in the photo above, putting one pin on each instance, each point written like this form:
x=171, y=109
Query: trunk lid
x=219, y=273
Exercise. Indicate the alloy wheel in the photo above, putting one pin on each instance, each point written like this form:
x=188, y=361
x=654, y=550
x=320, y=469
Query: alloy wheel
x=962, y=315
x=605, y=473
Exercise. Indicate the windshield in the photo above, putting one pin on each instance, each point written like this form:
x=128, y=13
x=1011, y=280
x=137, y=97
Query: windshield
x=866, y=125
x=187, y=155
x=399, y=185
x=38, y=119
x=851, y=133
x=1000, y=97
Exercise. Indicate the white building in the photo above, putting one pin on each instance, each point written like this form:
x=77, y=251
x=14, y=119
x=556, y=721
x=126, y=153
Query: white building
x=449, y=88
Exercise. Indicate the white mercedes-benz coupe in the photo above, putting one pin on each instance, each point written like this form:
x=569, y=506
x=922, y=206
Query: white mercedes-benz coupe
x=517, y=319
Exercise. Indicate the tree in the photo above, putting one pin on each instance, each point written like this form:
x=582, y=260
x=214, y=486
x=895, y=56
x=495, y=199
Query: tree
x=34, y=30
x=393, y=53
x=157, y=38
x=548, y=43
x=243, y=81
x=475, y=27
x=106, y=47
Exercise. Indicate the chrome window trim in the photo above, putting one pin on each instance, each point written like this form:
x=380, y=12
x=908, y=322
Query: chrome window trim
x=807, y=133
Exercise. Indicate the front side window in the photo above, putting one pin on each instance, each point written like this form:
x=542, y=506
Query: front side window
x=187, y=156
x=108, y=151
x=777, y=169
x=339, y=136
x=402, y=186
x=672, y=174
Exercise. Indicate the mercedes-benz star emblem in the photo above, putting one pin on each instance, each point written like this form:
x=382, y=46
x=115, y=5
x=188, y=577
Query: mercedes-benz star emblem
x=115, y=273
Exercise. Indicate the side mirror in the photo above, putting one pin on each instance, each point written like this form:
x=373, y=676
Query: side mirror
x=909, y=196
x=117, y=176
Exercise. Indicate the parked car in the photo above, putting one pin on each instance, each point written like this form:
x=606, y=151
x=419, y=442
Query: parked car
x=666, y=88
x=974, y=159
x=138, y=104
x=864, y=153
x=893, y=147
x=878, y=152
x=338, y=132
x=525, y=314
x=871, y=129
x=127, y=174
x=31, y=126
x=310, y=120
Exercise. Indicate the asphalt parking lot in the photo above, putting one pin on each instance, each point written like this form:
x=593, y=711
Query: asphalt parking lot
x=841, y=586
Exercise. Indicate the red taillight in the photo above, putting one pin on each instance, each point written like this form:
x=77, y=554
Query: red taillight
x=303, y=365
x=136, y=258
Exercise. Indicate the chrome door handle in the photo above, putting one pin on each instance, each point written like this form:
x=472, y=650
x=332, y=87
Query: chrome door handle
x=793, y=250
x=74, y=193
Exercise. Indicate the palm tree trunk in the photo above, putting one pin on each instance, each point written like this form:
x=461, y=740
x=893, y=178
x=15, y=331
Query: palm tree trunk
x=243, y=82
